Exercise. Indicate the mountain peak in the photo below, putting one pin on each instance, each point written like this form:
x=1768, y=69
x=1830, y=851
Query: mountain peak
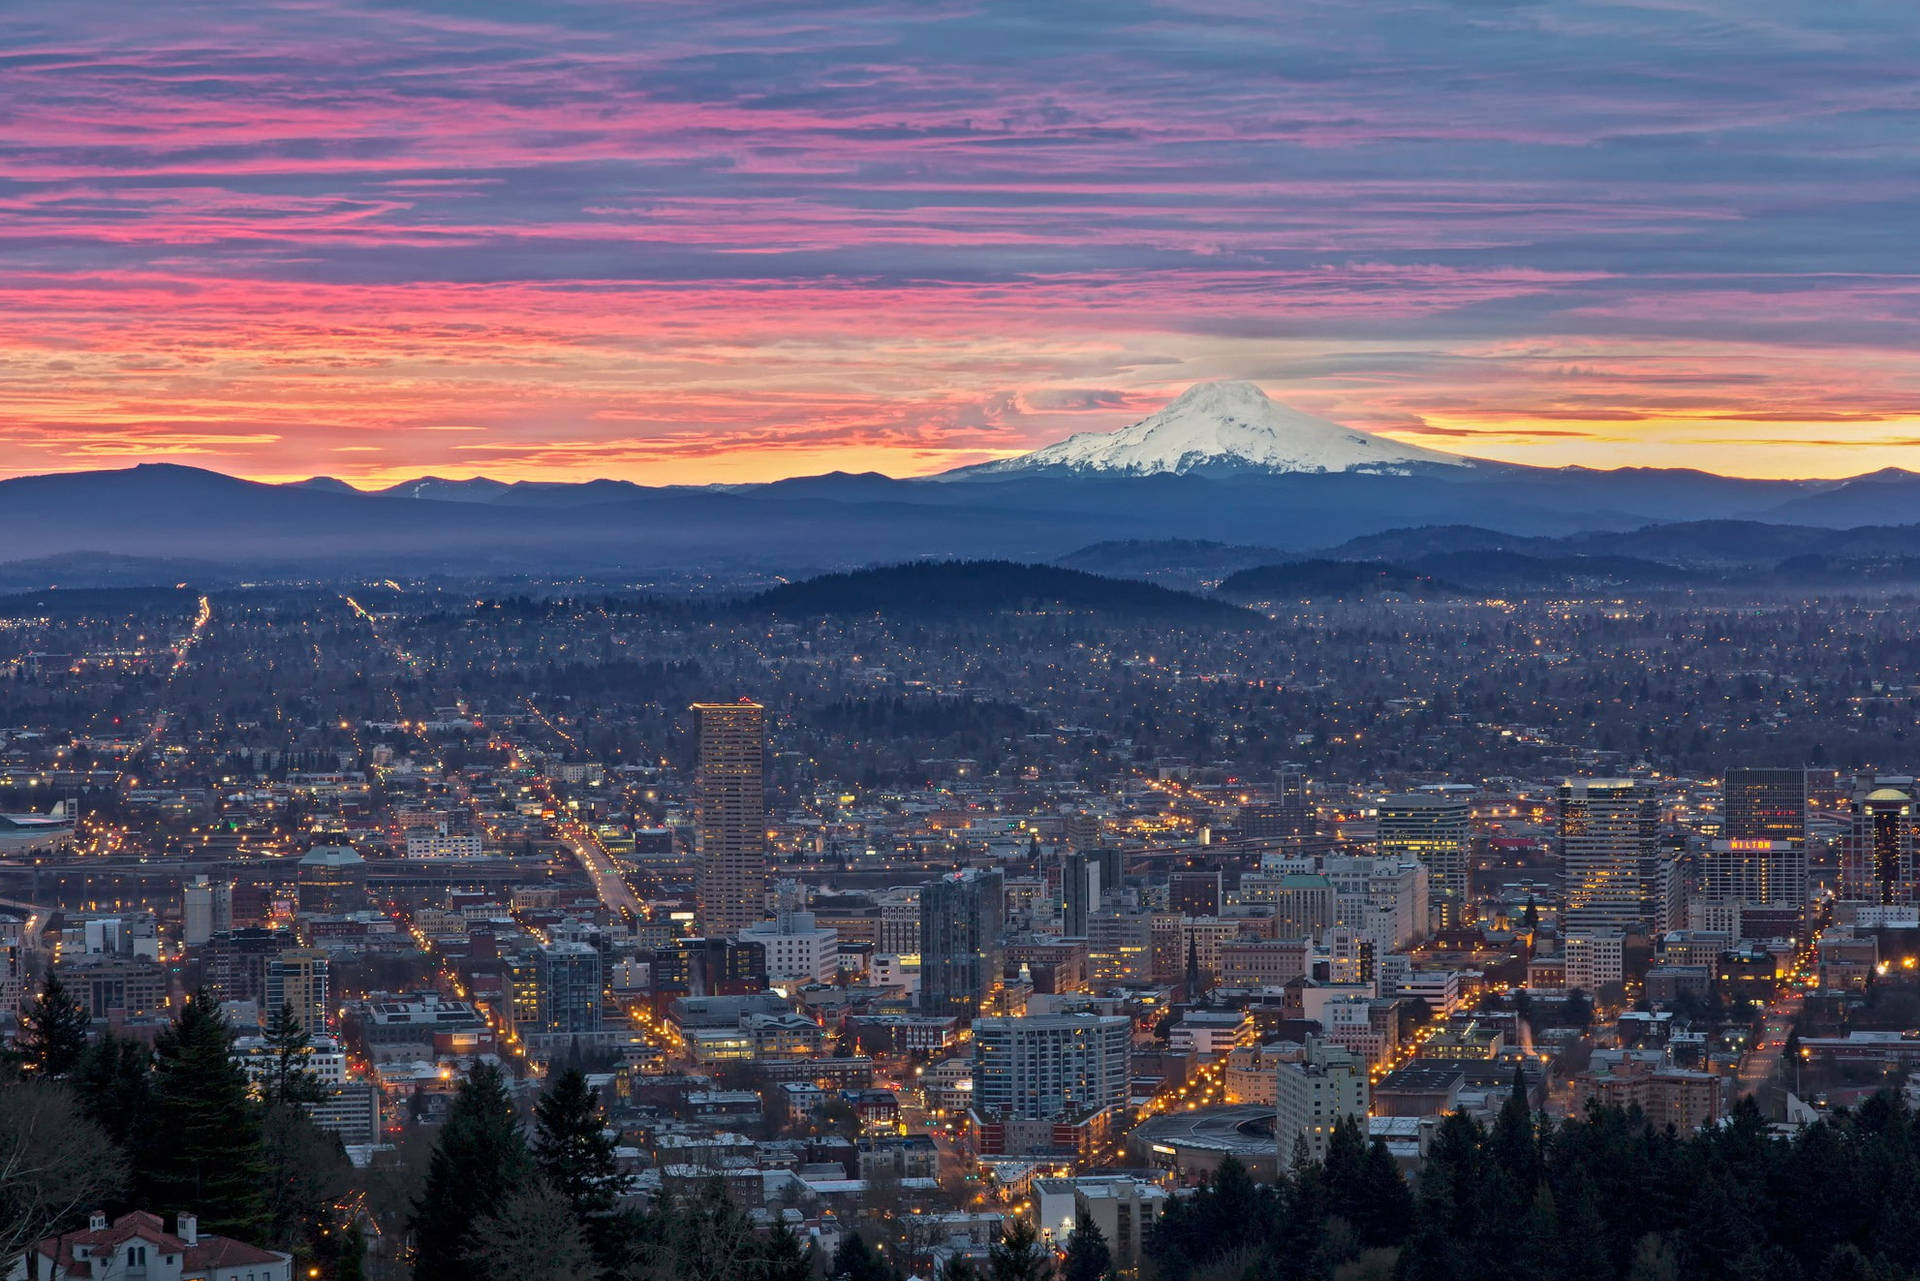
x=1216, y=429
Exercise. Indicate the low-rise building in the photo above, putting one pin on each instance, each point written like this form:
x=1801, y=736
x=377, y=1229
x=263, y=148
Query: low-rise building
x=138, y=1245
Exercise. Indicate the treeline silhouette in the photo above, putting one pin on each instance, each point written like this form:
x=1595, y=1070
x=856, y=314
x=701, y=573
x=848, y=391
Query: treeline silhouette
x=1600, y=1197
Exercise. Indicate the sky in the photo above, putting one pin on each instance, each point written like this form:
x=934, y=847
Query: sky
x=720, y=242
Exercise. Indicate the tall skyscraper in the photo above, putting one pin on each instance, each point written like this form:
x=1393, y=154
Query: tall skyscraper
x=1880, y=850
x=1765, y=805
x=1081, y=890
x=961, y=920
x=731, y=820
x=1609, y=842
x=298, y=977
x=1045, y=1066
x=569, y=988
x=1438, y=831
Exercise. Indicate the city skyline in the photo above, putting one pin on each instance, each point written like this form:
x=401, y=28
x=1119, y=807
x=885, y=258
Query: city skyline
x=698, y=245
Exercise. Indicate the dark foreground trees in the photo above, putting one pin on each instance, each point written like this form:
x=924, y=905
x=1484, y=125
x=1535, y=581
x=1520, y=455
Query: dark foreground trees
x=1604, y=1197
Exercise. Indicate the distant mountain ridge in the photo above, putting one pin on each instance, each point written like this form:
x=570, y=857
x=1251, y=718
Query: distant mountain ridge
x=1178, y=529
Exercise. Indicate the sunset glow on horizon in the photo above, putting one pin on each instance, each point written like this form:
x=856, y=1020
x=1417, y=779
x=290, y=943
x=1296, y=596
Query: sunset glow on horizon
x=694, y=243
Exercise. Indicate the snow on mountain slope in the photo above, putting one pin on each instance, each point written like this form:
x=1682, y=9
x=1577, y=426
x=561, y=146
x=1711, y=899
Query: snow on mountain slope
x=1219, y=428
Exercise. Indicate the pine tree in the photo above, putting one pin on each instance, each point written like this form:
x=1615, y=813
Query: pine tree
x=786, y=1257
x=53, y=1030
x=854, y=1260
x=574, y=1154
x=1018, y=1255
x=208, y=1151
x=1386, y=1203
x=1516, y=1148
x=571, y=1148
x=290, y=1077
x=1088, y=1258
x=480, y=1161
x=114, y=1085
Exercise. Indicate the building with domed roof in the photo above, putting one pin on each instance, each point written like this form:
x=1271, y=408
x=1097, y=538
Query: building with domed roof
x=1879, y=850
x=332, y=878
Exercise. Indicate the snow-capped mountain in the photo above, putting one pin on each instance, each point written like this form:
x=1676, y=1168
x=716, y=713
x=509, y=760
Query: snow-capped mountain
x=1219, y=428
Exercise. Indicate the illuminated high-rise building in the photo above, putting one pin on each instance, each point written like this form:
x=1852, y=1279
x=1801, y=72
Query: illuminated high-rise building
x=731, y=820
x=569, y=987
x=1438, y=831
x=1765, y=805
x=1880, y=849
x=1609, y=847
x=961, y=918
x=298, y=977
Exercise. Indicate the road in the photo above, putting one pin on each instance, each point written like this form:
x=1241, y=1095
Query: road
x=607, y=881
x=1763, y=1060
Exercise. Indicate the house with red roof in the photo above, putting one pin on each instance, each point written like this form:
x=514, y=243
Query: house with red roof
x=137, y=1247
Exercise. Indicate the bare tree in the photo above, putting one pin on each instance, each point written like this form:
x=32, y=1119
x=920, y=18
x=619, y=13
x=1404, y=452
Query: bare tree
x=534, y=1237
x=55, y=1165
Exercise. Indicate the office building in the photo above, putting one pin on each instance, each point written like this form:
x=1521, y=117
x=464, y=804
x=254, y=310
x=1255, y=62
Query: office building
x=798, y=950
x=898, y=933
x=330, y=879
x=1119, y=948
x=705, y=967
x=1195, y=893
x=730, y=823
x=440, y=843
x=1312, y=1096
x=960, y=938
x=1608, y=844
x=13, y=965
x=1438, y=832
x=236, y=962
x=1052, y=1065
x=1878, y=851
x=298, y=977
x=1765, y=805
x=569, y=988
x=1081, y=893
x=206, y=909
x=109, y=985
x=1753, y=870
x=1122, y=1207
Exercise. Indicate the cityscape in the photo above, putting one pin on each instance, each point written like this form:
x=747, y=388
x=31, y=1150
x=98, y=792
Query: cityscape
x=910, y=929
x=1152, y=641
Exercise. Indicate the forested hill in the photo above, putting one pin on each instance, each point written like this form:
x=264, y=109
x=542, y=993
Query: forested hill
x=962, y=587
x=1323, y=579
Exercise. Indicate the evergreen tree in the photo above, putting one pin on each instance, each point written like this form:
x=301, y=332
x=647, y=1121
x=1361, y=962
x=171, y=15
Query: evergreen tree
x=855, y=1260
x=208, y=1151
x=290, y=1075
x=53, y=1030
x=350, y=1256
x=786, y=1257
x=1385, y=1206
x=1088, y=1257
x=114, y=1085
x=571, y=1147
x=1516, y=1149
x=480, y=1162
x=1018, y=1255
